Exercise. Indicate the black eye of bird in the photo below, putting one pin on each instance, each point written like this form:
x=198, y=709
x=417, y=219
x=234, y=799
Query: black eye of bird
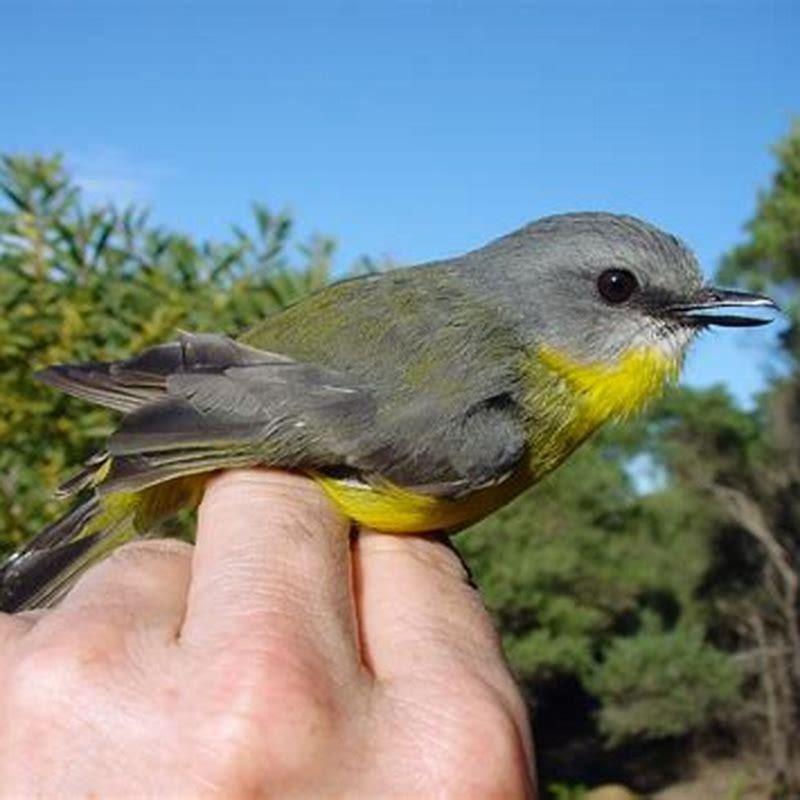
x=617, y=285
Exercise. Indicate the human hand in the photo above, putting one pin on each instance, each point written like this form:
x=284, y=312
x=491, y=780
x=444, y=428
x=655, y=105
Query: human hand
x=276, y=658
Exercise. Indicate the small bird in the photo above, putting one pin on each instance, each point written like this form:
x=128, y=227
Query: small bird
x=420, y=399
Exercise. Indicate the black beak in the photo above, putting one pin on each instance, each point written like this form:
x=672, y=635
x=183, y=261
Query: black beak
x=701, y=309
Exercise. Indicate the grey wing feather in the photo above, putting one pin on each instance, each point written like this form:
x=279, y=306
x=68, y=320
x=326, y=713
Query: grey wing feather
x=476, y=449
x=493, y=443
x=207, y=401
x=131, y=383
x=238, y=412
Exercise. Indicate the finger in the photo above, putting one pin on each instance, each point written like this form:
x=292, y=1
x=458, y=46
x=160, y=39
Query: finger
x=418, y=613
x=425, y=632
x=271, y=571
x=140, y=584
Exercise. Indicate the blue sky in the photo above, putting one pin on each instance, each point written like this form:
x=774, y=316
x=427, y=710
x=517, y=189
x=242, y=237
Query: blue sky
x=416, y=129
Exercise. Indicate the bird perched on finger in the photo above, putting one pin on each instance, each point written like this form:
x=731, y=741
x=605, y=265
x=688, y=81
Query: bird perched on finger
x=421, y=399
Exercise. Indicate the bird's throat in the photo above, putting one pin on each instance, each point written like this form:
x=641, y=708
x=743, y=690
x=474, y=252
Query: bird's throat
x=606, y=391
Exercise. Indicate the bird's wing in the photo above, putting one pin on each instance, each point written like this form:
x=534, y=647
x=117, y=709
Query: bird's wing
x=443, y=454
x=134, y=382
x=207, y=402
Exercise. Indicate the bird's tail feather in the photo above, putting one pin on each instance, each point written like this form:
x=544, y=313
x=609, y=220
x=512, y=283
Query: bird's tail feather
x=45, y=567
x=41, y=571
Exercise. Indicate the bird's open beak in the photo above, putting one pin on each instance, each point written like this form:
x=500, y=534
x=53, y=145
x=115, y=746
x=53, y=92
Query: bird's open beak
x=702, y=309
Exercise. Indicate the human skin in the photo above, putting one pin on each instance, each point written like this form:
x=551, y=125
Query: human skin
x=279, y=657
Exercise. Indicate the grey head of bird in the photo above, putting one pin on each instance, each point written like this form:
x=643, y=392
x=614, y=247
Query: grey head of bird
x=595, y=285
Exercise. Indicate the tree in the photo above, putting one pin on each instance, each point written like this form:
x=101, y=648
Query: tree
x=763, y=501
x=769, y=260
x=80, y=283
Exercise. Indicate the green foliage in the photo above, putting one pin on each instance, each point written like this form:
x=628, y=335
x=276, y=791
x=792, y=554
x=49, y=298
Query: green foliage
x=770, y=258
x=765, y=496
x=564, y=791
x=662, y=684
x=80, y=283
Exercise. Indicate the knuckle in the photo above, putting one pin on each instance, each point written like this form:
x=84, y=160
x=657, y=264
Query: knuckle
x=504, y=753
x=477, y=738
x=488, y=757
x=492, y=753
x=273, y=727
x=45, y=676
x=70, y=649
x=117, y=582
x=279, y=688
